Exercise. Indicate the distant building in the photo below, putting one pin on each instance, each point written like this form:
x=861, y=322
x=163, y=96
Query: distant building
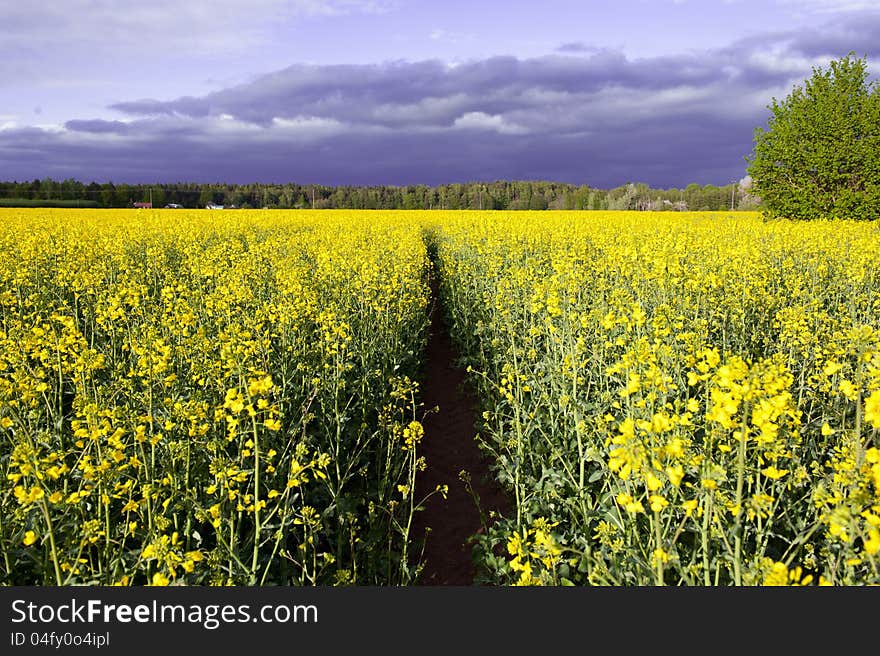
x=213, y=206
x=144, y=206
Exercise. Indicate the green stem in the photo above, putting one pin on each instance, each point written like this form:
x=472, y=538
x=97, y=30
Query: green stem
x=740, y=483
x=58, y=579
x=658, y=542
x=257, y=514
x=707, y=514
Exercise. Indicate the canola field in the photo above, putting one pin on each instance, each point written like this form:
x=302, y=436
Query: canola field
x=233, y=398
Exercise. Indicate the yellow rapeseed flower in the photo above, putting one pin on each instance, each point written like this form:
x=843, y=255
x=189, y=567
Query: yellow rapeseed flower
x=872, y=409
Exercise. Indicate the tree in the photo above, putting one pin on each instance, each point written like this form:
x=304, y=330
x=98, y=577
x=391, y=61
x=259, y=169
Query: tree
x=746, y=199
x=206, y=196
x=820, y=155
x=158, y=196
x=537, y=201
x=123, y=195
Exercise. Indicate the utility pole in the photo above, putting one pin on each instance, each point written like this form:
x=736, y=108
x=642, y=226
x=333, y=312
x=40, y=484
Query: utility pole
x=732, y=194
x=151, y=198
x=313, y=196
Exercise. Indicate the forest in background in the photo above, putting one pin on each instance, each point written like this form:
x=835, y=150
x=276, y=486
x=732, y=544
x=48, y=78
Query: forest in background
x=497, y=195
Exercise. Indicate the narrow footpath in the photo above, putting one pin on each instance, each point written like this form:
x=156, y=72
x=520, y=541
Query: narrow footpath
x=449, y=447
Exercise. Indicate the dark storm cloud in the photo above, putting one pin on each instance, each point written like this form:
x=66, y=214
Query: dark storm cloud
x=432, y=93
x=98, y=126
x=606, y=158
x=595, y=117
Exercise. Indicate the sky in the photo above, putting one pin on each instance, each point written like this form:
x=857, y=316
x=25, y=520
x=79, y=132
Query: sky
x=400, y=92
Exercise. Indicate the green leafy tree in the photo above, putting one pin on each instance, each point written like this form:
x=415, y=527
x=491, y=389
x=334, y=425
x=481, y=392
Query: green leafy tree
x=206, y=196
x=820, y=154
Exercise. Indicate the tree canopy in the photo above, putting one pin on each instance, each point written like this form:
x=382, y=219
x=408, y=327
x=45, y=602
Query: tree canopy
x=819, y=157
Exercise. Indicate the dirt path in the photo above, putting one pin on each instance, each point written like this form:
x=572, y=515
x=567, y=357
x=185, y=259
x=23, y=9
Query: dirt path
x=449, y=447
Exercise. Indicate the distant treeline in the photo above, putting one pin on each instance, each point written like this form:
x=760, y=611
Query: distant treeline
x=499, y=195
x=37, y=202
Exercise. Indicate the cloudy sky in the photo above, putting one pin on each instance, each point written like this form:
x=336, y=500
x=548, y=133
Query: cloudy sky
x=666, y=92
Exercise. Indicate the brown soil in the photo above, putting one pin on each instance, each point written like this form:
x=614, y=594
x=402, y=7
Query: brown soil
x=449, y=446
